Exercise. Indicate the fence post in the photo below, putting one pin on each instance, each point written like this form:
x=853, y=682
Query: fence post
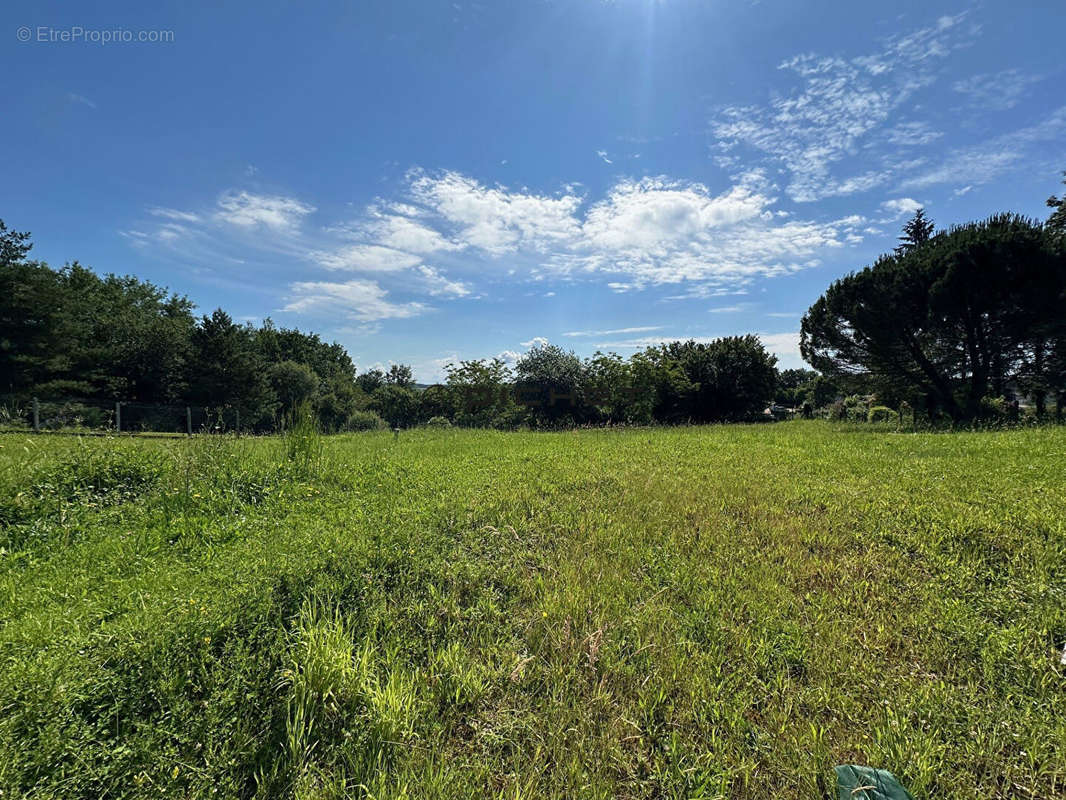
x=188, y=421
x=118, y=416
x=36, y=415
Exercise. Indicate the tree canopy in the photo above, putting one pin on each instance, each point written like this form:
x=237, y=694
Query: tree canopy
x=950, y=319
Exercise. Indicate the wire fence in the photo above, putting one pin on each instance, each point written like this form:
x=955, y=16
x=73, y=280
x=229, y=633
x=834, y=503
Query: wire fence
x=93, y=416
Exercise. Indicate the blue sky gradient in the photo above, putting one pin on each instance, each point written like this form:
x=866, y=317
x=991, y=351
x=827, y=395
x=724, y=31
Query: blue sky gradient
x=428, y=181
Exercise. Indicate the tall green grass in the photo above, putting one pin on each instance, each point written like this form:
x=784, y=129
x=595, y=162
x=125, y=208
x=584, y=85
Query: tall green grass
x=694, y=612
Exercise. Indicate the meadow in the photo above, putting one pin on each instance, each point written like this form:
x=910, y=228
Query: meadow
x=715, y=612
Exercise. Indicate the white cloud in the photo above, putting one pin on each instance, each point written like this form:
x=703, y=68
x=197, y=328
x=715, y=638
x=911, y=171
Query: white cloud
x=437, y=285
x=357, y=299
x=536, y=341
x=247, y=210
x=729, y=309
x=80, y=99
x=174, y=214
x=786, y=346
x=657, y=231
x=496, y=220
x=509, y=357
x=839, y=105
x=400, y=231
x=981, y=163
x=642, y=233
x=614, y=331
x=603, y=154
x=901, y=206
x=913, y=134
x=365, y=258
x=998, y=91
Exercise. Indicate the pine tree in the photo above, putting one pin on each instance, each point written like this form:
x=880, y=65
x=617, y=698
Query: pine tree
x=1056, y=223
x=918, y=230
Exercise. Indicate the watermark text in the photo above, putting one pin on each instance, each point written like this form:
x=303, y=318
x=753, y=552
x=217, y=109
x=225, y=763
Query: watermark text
x=76, y=34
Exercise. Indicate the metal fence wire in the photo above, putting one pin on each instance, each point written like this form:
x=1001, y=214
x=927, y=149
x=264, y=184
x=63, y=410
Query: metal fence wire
x=73, y=414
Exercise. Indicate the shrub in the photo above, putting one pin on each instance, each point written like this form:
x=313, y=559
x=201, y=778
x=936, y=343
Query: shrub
x=438, y=422
x=511, y=419
x=365, y=421
x=856, y=408
x=881, y=414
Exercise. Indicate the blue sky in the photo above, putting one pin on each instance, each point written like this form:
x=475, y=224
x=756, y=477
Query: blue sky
x=428, y=181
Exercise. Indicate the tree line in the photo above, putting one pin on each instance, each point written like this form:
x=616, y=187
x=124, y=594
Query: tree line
x=70, y=334
x=955, y=324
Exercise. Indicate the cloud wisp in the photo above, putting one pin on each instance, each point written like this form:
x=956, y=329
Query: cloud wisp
x=840, y=106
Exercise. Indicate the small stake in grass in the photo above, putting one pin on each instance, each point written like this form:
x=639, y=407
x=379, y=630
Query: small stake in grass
x=396, y=433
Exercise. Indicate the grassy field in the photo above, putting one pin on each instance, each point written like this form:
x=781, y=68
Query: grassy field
x=691, y=612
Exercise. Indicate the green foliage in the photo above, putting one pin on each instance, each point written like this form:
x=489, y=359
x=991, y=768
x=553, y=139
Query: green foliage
x=370, y=381
x=400, y=375
x=396, y=405
x=882, y=414
x=548, y=381
x=294, y=384
x=950, y=320
x=916, y=232
x=728, y=611
x=72, y=336
x=438, y=422
x=86, y=476
x=1056, y=223
x=303, y=440
x=728, y=379
x=795, y=386
x=476, y=393
x=365, y=421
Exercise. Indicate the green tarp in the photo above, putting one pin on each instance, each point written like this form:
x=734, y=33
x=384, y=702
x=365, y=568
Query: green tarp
x=866, y=783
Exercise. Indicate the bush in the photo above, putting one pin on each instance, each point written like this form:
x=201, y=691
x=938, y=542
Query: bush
x=365, y=421
x=438, y=422
x=856, y=408
x=511, y=419
x=881, y=414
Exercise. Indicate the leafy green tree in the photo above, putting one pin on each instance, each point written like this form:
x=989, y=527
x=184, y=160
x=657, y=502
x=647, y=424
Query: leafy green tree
x=228, y=370
x=548, y=381
x=396, y=405
x=793, y=386
x=371, y=380
x=293, y=384
x=436, y=401
x=400, y=375
x=338, y=400
x=732, y=378
x=478, y=392
x=608, y=389
x=662, y=391
x=972, y=308
x=821, y=392
x=328, y=361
